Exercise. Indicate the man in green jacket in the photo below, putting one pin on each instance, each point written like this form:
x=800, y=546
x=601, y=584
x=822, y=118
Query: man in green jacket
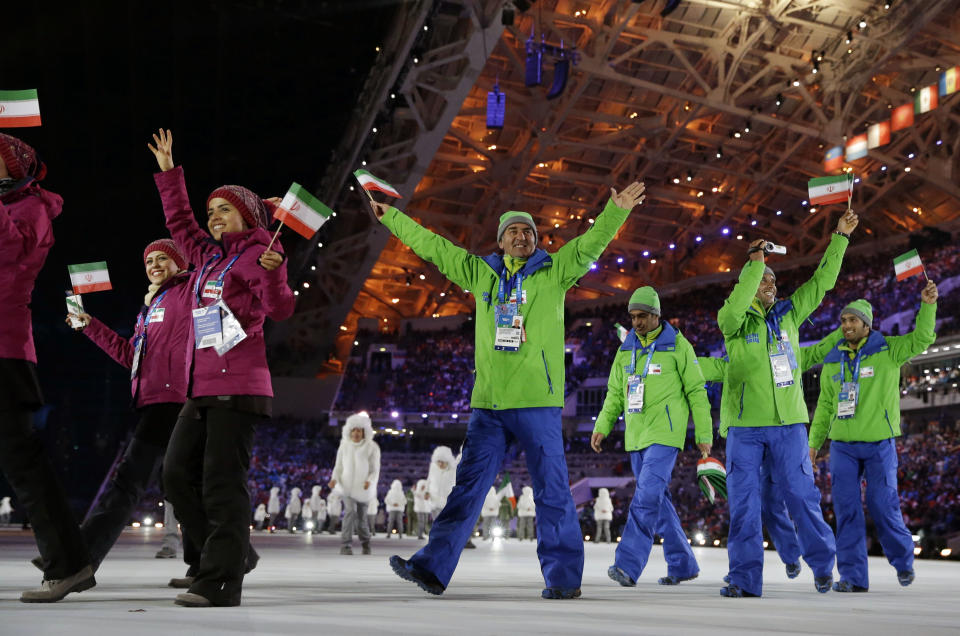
x=518, y=391
x=762, y=403
x=859, y=408
x=656, y=383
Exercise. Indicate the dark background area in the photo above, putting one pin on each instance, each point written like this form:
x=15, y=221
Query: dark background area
x=257, y=93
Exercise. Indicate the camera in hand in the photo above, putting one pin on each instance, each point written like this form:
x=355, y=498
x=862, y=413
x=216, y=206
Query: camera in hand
x=773, y=248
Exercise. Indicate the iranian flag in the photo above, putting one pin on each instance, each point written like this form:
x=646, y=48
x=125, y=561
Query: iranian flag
x=712, y=478
x=370, y=182
x=506, y=490
x=826, y=190
x=902, y=117
x=19, y=109
x=925, y=100
x=302, y=212
x=621, y=332
x=89, y=277
x=907, y=265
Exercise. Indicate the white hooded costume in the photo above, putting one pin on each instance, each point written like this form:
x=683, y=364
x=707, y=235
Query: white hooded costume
x=421, y=506
x=260, y=514
x=273, y=506
x=440, y=481
x=526, y=511
x=396, y=501
x=490, y=511
x=315, y=499
x=357, y=462
x=307, y=512
x=5, y=510
x=603, y=515
x=292, y=512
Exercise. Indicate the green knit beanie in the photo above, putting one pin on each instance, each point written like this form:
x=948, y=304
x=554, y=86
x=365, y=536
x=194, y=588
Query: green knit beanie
x=645, y=299
x=508, y=218
x=861, y=309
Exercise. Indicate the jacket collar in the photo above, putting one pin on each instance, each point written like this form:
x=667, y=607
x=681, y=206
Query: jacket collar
x=665, y=341
x=876, y=342
x=537, y=260
x=778, y=310
x=231, y=242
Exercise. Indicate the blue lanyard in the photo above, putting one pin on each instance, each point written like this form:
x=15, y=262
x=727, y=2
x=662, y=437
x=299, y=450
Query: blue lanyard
x=854, y=368
x=143, y=320
x=773, y=328
x=646, y=366
x=501, y=293
x=203, y=272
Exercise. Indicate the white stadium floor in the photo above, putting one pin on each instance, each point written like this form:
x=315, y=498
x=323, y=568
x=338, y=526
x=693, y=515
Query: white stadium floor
x=303, y=586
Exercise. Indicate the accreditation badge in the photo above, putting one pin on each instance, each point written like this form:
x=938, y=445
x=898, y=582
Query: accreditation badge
x=782, y=373
x=847, y=400
x=509, y=325
x=207, y=327
x=634, y=393
x=232, y=330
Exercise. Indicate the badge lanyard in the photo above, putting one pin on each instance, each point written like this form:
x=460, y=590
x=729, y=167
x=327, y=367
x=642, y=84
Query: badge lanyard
x=143, y=321
x=847, y=403
x=635, y=388
x=501, y=293
x=646, y=366
x=203, y=273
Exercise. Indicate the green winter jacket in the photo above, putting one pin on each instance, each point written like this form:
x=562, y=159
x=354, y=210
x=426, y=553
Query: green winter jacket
x=877, y=415
x=715, y=369
x=750, y=397
x=672, y=390
x=534, y=375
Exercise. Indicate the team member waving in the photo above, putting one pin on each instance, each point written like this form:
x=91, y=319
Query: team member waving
x=238, y=284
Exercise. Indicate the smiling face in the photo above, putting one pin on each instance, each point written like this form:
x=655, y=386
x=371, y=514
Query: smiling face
x=518, y=241
x=854, y=329
x=160, y=267
x=356, y=435
x=643, y=321
x=767, y=292
x=222, y=217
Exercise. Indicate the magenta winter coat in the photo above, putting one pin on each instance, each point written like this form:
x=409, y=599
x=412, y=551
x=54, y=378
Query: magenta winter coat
x=251, y=292
x=164, y=372
x=26, y=236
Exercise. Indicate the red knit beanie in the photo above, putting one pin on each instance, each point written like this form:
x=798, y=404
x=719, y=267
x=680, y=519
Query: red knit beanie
x=254, y=210
x=168, y=247
x=21, y=159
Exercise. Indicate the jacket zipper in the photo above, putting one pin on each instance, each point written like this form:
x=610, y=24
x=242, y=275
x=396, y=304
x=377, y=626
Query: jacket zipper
x=889, y=425
x=546, y=370
x=669, y=419
x=742, y=388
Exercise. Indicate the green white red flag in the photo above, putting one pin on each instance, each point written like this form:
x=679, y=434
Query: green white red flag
x=19, y=109
x=826, y=190
x=712, y=478
x=89, y=277
x=621, y=332
x=907, y=265
x=369, y=182
x=302, y=212
x=925, y=100
x=506, y=490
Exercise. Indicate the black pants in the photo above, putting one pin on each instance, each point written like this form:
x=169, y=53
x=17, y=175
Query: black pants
x=38, y=489
x=140, y=465
x=205, y=478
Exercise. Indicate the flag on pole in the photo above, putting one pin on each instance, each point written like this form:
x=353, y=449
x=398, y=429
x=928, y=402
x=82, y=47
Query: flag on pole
x=833, y=160
x=506, y=490
x=950, y=81
x=902, y=117
x=826, y=190
x=89, y=277
x=370, y=182
x=925, y=100
x=907, y=265
x=712, y=478
x=19, y=109
x=621, y=332
x=857, y=148
x=878, y=134
x=302, y=212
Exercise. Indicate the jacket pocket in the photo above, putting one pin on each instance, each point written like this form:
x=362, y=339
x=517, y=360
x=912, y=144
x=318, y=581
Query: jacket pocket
x=886, y=416
x=669, y=419
x=742, y=389
x=546, y=370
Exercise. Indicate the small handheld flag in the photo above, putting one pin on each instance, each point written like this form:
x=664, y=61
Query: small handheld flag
x=712, y=478
x=907, y=265
x=74, y=309
x=826, y=190
x=19, y=109
x=369, y=182
x=302, y=212
x=89, y=277
x=621, y=332
x=506, y=490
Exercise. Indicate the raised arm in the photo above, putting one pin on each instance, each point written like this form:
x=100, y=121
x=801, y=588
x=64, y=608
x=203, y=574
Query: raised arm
x=814, y=354
x=902, y=348
x=734, y=310
x=573, y=259
x=809, y=295
x=271, y=286
x=118, y=348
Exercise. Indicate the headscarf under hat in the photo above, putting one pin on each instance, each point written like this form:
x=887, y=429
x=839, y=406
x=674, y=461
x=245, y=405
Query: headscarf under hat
x=168, y=247
x=254, y=210
x=21, y=159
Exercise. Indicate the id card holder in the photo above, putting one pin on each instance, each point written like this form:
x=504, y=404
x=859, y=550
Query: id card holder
x=213, y=289
x=207, y=327
x=509, y=328
x=137, y=352
x=847, y=400
x=157, y=315
x=634, y=393
x=782, y=373
x=233, y=333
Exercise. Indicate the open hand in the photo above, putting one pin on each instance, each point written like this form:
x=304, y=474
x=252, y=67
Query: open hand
x=595, y=441
x=631, y=196
x=848, y=222
x=163, y=151
x=929, y=294
x=271, y=260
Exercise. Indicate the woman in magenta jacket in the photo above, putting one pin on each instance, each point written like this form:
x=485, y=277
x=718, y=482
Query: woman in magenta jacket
x=157, y=357
x=238, y=283
x=26, y=236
